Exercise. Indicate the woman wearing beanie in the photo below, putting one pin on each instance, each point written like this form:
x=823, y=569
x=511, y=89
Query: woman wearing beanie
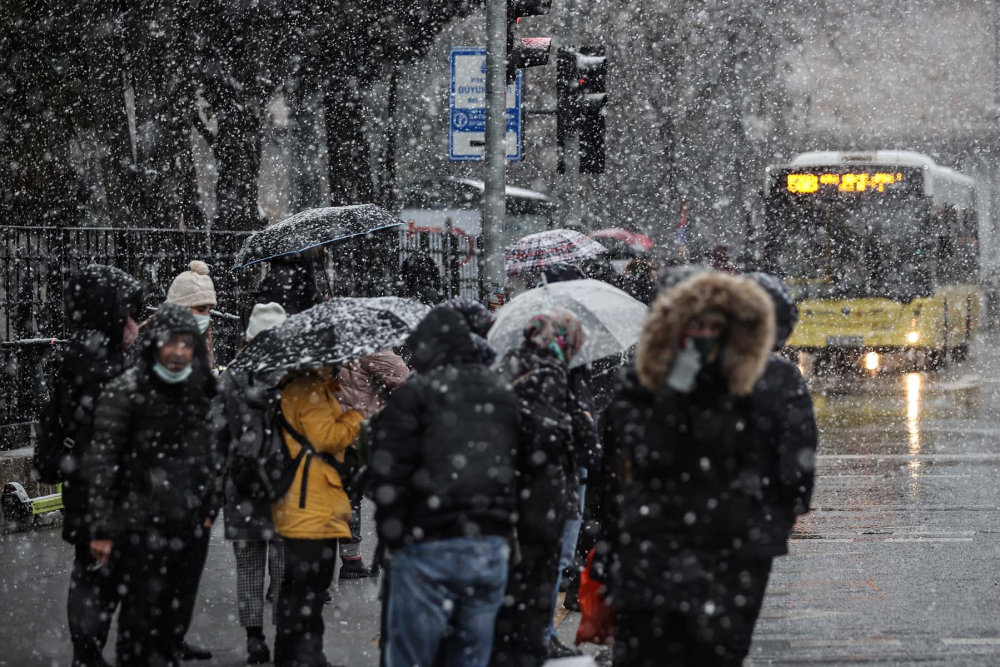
x=194, y=289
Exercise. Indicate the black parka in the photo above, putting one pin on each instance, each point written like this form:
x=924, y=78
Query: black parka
x=291, y=283
x=98, y=301
x=444, y=446
x=151, y=466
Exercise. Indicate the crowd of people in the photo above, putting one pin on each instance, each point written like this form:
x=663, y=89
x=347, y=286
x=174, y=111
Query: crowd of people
x=680, y=466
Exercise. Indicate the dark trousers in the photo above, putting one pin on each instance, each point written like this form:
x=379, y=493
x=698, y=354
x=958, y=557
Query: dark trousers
x=520, y=636
x=653, y=637
x=156, y=573
x=93, y=597
x=194, y=565
x=309, y=568
x=350, y=547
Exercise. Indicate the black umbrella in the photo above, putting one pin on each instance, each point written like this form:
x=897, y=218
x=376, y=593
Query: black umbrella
x=331, y=334
x=312, y=228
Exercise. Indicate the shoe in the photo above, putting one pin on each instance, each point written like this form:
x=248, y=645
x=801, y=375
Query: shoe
x=257, y=651
x=188, y=652
x=559, y=650
x=327, y=598
x=353, y=568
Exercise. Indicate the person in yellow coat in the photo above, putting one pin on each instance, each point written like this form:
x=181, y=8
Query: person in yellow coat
x=311, y=522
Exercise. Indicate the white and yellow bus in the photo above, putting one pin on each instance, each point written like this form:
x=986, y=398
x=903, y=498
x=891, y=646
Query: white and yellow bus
x=882, y=252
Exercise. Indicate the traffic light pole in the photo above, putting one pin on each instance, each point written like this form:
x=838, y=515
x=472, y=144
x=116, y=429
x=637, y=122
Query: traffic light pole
x=571, y=151
x=495, y=175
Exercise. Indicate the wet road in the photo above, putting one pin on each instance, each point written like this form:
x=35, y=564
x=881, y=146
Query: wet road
x=898, y=563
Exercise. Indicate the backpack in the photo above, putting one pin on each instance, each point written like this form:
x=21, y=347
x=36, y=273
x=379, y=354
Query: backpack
x=263, y=469
x=53, y=446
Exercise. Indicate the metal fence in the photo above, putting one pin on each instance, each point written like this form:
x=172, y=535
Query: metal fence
x=35, y=262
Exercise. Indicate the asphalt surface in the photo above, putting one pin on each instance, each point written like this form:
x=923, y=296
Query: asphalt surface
x=898, y=563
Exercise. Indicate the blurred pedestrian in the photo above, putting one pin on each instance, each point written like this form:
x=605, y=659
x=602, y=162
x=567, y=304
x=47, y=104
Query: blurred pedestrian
x=291, y=282
x=552, y=425
x=101, y=303
x=241, y=404
x=680, y=435
x=152, y=485
x=639, y=279
x=479, y=320
x=444, y=484
x=194, y=289
x=315, y=512
x=365, y=386
x=420, y=278
x=787, y=440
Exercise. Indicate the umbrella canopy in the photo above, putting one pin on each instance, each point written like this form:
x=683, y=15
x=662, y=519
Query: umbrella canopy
x=312, y=228
x=331, y=334
x=611, y=318
x=556, y=246
x=638, y=242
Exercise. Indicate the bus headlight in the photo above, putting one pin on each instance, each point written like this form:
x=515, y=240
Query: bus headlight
x=913, y=337
x=872, y=361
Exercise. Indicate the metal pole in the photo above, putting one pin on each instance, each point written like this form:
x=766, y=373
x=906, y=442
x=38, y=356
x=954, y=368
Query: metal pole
x=496, y=129
x=571, y=155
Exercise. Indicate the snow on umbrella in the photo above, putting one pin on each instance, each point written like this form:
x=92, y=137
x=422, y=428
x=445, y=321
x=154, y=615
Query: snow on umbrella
x=556, y=246
x=638, y=242
x=331, y=334
x=312, y=228
x=612, y=319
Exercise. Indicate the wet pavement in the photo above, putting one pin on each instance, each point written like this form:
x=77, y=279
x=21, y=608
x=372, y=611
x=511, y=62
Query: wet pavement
x=898, y=563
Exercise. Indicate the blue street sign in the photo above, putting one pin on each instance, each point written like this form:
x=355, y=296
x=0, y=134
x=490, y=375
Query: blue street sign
x=467, y=127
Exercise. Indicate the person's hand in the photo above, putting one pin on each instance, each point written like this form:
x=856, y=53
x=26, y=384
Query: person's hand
x=101, y=550
x=208, y=522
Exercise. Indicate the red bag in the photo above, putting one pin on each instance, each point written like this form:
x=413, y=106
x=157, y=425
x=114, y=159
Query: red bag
x=597, y=624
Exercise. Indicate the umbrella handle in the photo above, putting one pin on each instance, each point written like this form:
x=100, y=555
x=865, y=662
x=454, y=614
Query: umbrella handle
x=326, y=278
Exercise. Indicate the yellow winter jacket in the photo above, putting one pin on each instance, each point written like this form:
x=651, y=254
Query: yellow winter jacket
x=309, y=406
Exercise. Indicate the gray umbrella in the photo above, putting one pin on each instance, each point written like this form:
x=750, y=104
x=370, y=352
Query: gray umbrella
x=331, y=334
x=611, y=318
x=312, y=228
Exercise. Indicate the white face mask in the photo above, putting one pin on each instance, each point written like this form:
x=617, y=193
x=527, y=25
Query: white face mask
x=203, y=322
x=169, y=376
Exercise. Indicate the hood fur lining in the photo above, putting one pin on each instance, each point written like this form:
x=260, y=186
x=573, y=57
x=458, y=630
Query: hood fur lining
x=747, y=343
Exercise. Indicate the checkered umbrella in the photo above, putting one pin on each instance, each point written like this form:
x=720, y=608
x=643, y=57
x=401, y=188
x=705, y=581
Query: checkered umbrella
x=556, y=246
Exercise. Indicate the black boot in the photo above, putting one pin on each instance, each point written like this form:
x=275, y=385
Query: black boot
x=353, y=568
x=559, y=650
x=257, y=651
x=187, y=652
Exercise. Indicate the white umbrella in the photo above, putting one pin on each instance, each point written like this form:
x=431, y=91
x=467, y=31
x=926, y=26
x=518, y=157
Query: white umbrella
x=612, y=319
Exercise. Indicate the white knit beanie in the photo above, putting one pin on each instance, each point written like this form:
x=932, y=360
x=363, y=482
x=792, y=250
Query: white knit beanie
x=193, y=288
x=265, y=316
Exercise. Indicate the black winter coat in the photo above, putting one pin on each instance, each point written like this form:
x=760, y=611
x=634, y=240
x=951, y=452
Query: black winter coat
x=687, y=487
x=236, y=405
x=444, y=446
x=787, y=441
x=151, y=465
x=99, y=300
x=291, y=283
x=555, y=436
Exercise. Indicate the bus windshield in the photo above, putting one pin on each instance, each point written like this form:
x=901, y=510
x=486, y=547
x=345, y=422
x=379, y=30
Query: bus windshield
x=850, y=248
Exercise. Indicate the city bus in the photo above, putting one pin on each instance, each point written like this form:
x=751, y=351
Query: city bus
x=881, y=250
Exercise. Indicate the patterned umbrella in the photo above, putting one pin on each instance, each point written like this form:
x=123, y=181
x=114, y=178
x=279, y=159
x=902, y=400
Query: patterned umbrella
x=331, y=334
x=312, y=228
x=638, y=242
x=556, y=246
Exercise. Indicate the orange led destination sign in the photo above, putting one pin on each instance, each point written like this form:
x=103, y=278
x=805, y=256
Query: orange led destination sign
x=853, y=182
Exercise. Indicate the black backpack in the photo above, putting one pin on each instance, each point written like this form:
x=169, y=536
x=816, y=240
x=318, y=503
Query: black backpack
x=54, y=449
x=263, y=469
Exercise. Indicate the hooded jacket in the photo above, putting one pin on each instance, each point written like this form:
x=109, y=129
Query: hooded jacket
x=786, y=429
x=310, y=406
x=98, y=300
x=686, y=466
x=290, y=282
x=444, y=446
x=365, y=384
x=151, y=465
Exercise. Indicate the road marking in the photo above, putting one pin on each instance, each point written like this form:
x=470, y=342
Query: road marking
x=971, y=641
x=983, y=456
x=861, y=642
x=799, y=614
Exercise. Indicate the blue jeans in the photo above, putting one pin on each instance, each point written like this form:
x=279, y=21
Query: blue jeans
x=571, y=533
x=443, y=602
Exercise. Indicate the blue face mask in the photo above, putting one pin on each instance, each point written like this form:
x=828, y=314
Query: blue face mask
x=203, y=322
x=169, y=376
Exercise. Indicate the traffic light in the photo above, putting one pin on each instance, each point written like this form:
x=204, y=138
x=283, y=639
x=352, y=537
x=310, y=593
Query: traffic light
x=582, y=97
x=526, y=51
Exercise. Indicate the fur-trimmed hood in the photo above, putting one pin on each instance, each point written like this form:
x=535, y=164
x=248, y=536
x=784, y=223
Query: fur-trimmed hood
x=747, y=343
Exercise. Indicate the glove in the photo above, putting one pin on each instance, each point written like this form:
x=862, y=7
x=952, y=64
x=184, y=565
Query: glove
x=686, y=367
